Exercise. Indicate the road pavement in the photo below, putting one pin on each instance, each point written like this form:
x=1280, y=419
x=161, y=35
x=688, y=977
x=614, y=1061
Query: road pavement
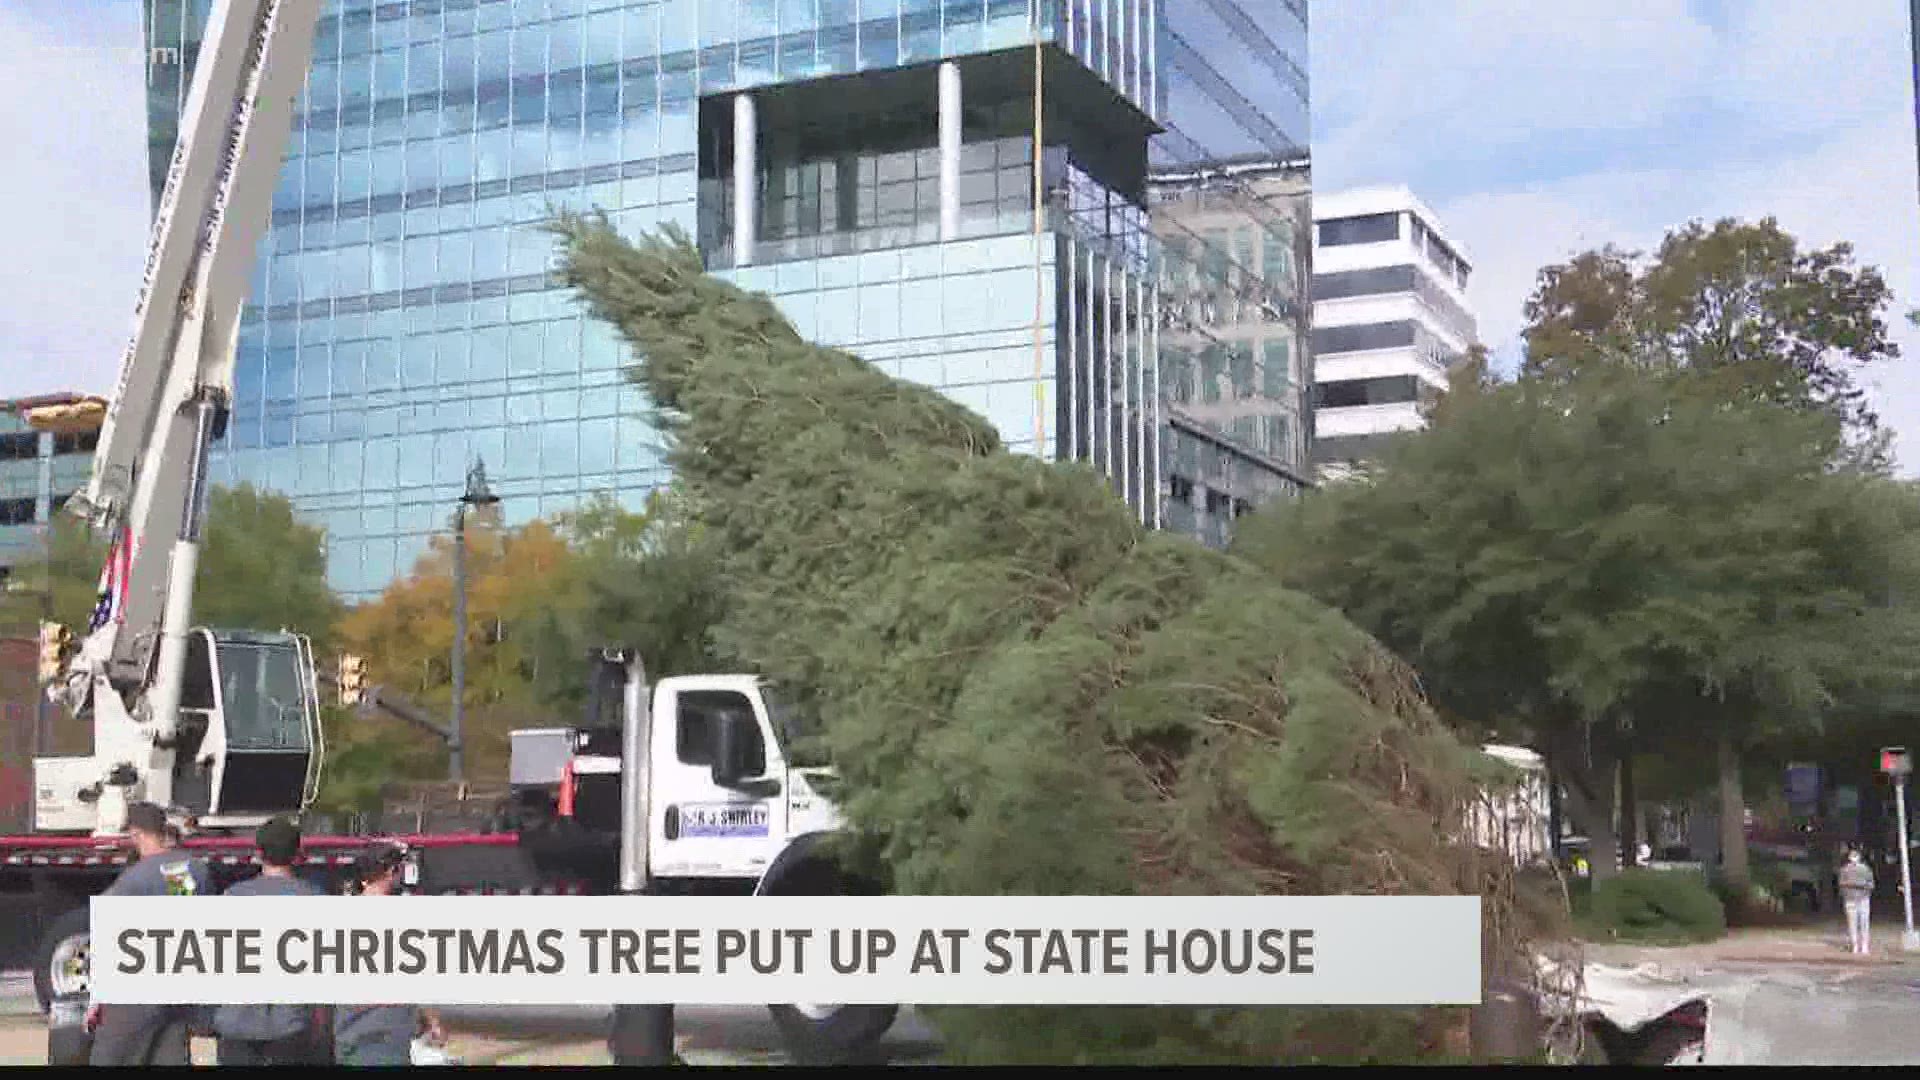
x=523, y=1035
x=1765, y=1011
x=1775, y=997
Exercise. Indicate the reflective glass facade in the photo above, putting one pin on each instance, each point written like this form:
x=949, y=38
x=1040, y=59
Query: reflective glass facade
x=404, y=320
x=1231, y=208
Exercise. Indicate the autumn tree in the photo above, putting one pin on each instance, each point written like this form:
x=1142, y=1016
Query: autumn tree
x=1743, y=307
x=406, y=635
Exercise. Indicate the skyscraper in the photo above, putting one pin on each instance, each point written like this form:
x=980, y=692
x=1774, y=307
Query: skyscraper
x=868, y=163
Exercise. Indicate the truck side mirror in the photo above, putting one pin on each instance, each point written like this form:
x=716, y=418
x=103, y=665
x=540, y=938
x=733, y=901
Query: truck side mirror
x=737, y=751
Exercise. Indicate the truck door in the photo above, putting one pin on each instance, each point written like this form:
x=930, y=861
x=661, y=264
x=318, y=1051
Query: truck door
x=700, y=828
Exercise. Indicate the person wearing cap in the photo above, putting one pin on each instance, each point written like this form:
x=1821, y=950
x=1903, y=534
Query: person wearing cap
x=149, y=1034
x=381, y=1034
x=272, y=1034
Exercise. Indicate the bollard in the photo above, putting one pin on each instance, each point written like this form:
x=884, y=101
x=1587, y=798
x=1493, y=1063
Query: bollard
x=642, y=1035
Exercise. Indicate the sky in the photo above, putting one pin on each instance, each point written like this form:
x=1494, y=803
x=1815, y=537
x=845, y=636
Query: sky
x=1534, y=128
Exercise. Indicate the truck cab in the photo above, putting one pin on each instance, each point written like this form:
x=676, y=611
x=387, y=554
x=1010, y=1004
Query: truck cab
x=733, y=783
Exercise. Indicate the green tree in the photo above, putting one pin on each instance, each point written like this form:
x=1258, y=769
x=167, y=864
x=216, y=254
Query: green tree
x=1740, y=305
x=1024, y=689
x=645, y=580
x=62, y=585
x=1652, y=572
x=262, y=568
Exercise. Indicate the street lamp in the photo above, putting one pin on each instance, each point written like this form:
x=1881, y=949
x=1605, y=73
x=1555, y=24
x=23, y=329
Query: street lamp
x=476, y=495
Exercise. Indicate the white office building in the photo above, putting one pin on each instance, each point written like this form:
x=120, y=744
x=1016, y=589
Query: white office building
x=1390, y=318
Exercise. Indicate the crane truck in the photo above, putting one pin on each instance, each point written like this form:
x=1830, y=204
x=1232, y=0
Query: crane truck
x=689, y=786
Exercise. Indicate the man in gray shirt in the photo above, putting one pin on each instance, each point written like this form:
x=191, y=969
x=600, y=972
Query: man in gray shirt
x=273, y=1034
x=149, y=1034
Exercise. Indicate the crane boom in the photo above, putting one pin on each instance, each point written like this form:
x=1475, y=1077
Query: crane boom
x=147, y=490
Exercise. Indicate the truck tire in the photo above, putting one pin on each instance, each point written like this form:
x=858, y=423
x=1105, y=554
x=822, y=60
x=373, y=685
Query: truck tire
x=833, y=1034
x=60, y=966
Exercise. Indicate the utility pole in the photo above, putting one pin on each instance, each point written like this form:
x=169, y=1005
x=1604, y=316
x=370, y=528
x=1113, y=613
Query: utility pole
x=476, y=495
x=1898, y=766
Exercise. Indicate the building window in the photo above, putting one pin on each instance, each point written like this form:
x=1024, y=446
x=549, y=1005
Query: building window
x=16, y=511
x=1378, y=281
x=1276, y=368
x=80, y=443
x=1278, y=259
x=1351, y=393
x=1211, y=375
x=1240, y=369
x=1368, y=229
x=1340, y=339
x=19, y=446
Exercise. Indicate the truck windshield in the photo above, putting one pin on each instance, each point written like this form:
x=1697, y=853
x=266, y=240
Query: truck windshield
x=799, y=731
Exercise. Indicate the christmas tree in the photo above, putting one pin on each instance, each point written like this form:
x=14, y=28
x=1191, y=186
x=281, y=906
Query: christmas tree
x=1025, y=690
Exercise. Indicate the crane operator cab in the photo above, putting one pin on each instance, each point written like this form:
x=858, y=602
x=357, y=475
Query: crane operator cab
x=247, y=743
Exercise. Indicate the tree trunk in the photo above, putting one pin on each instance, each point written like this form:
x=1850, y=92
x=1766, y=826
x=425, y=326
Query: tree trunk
x=1733, y=814
x=1629, y=809
x=1589, y=785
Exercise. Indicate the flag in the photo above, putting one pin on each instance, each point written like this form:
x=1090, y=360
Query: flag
x=111, y=604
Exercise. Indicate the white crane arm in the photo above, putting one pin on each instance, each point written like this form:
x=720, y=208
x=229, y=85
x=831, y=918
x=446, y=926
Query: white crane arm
x=148, y=486
x=148, y=479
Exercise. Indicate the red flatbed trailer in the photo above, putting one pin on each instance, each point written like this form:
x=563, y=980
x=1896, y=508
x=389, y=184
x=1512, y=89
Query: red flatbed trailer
x=51, y=878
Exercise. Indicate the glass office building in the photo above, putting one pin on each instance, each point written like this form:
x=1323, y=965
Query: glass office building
x=1231, y=203
x=869, y=163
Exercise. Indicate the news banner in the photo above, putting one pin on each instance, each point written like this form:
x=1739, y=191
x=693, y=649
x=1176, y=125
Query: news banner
x=946, y=950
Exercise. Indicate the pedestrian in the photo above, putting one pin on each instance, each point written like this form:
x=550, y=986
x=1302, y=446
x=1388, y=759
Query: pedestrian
x=1856, y=894
x=149, y=1034
x=382, y=1034
x=273, y=1034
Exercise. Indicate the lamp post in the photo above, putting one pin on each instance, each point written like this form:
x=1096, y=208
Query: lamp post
x=476, y=495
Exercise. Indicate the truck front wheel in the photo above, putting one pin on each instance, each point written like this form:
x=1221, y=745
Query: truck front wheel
x=832, y=1034
x=62, y=967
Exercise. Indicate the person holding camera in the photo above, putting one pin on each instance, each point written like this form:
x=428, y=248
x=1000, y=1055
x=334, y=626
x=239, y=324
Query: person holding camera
x=382, y=1034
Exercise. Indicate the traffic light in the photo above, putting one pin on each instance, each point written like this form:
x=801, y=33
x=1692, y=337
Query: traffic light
x=1894, y=761
x=55, y=643
x=353, y=679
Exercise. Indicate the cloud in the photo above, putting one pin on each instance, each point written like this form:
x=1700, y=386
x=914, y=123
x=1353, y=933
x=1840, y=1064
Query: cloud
x=1798, y=110
x=73, y=200
x=1457, y=90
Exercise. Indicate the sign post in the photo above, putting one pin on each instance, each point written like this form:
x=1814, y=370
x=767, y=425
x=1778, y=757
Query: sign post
x=1898, y=766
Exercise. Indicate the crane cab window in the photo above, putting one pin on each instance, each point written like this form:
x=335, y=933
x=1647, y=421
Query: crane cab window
x=700, y=710
x=265, y=702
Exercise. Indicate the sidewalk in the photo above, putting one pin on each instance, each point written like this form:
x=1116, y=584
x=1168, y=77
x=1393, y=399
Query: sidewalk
x=1790, y=945
x=23, y=1041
